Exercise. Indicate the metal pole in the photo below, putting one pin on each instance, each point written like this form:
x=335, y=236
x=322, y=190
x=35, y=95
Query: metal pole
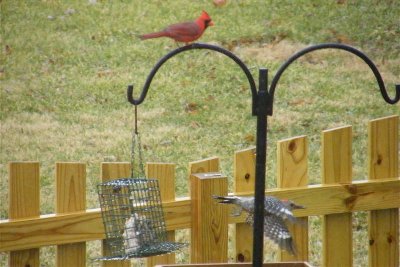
x=261, y=156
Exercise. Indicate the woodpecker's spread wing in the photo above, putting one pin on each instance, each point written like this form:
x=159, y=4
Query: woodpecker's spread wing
x=279, y=208
x=276, y=230
x=272, y=206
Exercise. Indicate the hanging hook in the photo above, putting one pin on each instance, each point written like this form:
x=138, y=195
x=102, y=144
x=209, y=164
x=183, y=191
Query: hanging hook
x=344, y=47
x=221, y=50
x=136, y=127
x=136, y=150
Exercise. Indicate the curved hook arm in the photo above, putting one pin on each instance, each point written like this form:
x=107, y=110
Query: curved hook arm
x=153, y=72
x=334, y=46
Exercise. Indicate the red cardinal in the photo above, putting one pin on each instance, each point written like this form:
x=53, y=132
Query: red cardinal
x=185, y=32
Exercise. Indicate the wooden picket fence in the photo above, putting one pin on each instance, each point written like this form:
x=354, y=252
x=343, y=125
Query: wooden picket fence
x=335, y=199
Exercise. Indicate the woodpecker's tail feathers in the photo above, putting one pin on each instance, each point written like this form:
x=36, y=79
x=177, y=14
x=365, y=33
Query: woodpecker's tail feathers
x=226, y=200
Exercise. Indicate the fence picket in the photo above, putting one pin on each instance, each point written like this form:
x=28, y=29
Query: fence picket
x=71, y=197
x=165, y=173
x=383, y=160
x=204, y=165
x=24, y=203
x=109, y=171
x=337, y=168
x=292, y=168
x=244, y=173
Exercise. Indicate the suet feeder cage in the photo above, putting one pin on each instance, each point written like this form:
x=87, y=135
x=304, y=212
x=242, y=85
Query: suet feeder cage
x=132, y=212
x=133, y=219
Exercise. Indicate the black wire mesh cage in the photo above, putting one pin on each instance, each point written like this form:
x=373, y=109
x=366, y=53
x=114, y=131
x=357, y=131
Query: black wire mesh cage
x=133, y=219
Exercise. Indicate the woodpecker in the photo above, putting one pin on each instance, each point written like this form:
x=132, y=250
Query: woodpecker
x=276, y=213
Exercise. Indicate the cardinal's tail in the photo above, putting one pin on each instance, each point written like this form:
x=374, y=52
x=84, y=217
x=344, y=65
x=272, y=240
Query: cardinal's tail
x=153, y=35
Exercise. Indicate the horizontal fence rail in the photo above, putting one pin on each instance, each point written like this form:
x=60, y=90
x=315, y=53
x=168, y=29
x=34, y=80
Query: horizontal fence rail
x=335, y=199
x=56, y=229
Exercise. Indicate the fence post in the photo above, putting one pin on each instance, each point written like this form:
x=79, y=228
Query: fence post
x=165, y=173
x=292, y=168
x=337, y=168
x=244, y=173
x=24, y=202
x=383, y=161
x=71, y=197
x=209, y=230
x=209, y=235
x=109, y=171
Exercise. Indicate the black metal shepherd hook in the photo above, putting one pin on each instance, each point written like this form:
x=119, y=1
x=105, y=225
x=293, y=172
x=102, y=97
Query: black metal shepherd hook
x=179, y=50
x=347, y=48
x=262, y=105
x=259, y=189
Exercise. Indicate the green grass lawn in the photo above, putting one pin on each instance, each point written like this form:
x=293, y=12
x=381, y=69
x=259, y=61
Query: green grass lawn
x=65, y=66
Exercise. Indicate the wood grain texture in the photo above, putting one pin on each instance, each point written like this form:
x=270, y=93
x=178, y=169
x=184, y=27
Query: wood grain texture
x=24, y=190
x=204, y=165
x=292, y=162
x=115, y=170
x=337, y=168
x=209, y=227
x=71, y=197
x=336, y=155
x=24, y=203
x=383, y=238
x=24, y=258
x=244, y=174
x=383, y=148
x=86, y=226
x=51, y=230
x=165, y=173
x=383, y=162
x=110, y=171
x=244, y=170
x=292, y=167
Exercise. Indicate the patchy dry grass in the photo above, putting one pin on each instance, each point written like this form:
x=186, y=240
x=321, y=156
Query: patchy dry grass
x=65, y=66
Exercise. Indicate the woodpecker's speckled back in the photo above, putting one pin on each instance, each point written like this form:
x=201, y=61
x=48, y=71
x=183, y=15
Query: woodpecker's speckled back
x=276, y=212
x=272, y=205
